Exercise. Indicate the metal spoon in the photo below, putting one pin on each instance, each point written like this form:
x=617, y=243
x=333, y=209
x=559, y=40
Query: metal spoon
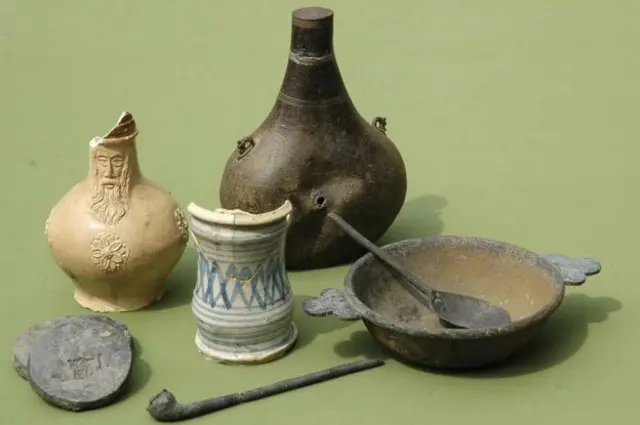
x=459, y=310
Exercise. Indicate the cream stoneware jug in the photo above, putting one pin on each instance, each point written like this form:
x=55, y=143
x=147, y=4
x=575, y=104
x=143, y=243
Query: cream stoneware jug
x=116, y=234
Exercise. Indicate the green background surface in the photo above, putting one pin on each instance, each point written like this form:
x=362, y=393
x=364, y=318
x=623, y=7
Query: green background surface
x=517, y=121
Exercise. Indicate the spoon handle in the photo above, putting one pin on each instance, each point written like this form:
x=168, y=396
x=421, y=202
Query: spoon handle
x=410, y=282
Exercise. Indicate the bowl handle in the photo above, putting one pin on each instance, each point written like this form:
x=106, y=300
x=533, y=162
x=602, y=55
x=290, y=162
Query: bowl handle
x=574, y=271
x=330, y=302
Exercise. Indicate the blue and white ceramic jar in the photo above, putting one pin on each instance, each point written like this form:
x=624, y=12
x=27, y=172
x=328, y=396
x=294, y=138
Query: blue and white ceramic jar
x=242, y=302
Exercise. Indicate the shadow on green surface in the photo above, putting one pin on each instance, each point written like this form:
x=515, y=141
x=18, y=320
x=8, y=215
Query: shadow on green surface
x=566, y=331
x=180, y=282
x=419, y=217
x=310, y=327
x=361, y=344
x=140, y=373
x=563, y=335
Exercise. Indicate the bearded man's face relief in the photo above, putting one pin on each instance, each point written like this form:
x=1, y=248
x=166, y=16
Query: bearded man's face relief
x=110, y=170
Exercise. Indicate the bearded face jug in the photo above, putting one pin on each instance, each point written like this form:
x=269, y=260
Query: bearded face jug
x=116, y=234
x=242, y=301
x=315, y=150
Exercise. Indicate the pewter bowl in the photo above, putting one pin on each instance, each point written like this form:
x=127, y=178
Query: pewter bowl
x=529, y=286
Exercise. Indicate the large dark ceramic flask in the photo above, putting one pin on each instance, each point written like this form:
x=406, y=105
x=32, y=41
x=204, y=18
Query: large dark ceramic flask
x=315, y=150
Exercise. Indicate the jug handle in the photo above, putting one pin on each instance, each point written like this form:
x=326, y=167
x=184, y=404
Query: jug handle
x=380, y=124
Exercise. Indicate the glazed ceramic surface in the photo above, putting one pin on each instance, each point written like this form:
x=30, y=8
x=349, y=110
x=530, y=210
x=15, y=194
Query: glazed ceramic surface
x=116, y=234
x=530, y=287
x=316, y=150
x=242, y=302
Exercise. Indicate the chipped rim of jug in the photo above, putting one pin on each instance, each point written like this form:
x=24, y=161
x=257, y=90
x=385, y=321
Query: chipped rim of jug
x=239, y=217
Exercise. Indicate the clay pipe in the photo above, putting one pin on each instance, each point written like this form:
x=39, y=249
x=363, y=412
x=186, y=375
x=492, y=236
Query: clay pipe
x=459, y=310
x=164, y=407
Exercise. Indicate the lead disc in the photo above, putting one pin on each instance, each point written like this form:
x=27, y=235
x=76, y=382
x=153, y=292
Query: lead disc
x=81, y=363
x=24, y=343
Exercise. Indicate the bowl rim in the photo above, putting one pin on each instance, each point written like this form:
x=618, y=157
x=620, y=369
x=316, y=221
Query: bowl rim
x=367, y=314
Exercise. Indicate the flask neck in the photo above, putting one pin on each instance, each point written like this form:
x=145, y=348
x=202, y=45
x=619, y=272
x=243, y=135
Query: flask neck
x=312, y=32
x=312, y=74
